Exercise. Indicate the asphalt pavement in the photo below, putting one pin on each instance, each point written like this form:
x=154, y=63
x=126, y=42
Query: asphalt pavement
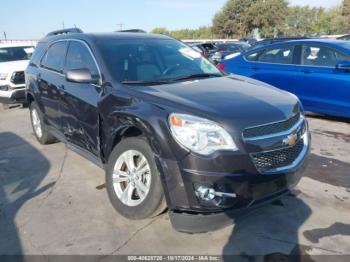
x=54, y=202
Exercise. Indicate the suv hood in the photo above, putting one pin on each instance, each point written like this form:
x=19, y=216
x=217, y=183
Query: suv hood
x=236, y=100
x=9, y=67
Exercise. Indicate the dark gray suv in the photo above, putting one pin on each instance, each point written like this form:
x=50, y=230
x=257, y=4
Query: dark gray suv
x=169, y=128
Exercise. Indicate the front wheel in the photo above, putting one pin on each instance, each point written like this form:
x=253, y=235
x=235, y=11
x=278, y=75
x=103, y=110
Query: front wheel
x=133, y=181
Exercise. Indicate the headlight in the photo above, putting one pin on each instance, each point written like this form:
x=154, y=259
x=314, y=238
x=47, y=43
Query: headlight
x=3, y=76
x=200, y=135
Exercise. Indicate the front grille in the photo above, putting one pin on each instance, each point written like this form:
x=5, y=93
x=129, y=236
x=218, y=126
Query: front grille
x=18, y=78
x=271, y=128
x=266, y=161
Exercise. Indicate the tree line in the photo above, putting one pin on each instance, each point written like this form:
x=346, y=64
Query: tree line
x=269, y=18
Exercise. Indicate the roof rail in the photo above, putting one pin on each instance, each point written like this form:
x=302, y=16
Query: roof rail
x=65, y=31
x=132, y=31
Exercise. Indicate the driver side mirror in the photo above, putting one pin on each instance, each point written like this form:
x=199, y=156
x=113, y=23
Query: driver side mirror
x=82, y=75
x=343, y=66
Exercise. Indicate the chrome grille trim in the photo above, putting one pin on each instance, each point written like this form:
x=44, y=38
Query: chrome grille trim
x=284, y=158
x=282, y=133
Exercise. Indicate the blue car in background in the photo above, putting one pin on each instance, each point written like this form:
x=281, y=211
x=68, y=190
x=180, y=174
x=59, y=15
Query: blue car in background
x=317, y=71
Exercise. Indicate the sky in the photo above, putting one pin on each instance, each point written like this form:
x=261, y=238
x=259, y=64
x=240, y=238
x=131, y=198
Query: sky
x=32, y=19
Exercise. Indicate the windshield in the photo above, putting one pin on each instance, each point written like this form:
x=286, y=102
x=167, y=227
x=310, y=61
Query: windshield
x=8, y=54
x=154, y=60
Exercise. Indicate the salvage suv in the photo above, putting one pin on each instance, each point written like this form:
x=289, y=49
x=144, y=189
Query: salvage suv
x=14, y=58
x=169, y=128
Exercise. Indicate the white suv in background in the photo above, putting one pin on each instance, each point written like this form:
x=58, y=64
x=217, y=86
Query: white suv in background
x=14, y=59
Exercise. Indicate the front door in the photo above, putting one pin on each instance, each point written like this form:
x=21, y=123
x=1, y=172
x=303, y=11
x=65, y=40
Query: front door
x=79, y=115
x=320, y=86
x=274, y=66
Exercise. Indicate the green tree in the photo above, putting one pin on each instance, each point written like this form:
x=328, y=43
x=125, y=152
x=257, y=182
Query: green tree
x=268, y=16
x=346, y=8
x=344, y=21
x=313, y=21
x=160, y=30
x=271, y=17
x=240, y=17
x=232, y=20
x=299, y=20
x=202, y=32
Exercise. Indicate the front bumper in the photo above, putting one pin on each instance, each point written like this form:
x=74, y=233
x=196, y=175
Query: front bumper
x=12, y=96
x=247, y=184
x=258, y=194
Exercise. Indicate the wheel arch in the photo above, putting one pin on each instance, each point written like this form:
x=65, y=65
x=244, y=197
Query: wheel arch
x=122, y=126
x=29, y=98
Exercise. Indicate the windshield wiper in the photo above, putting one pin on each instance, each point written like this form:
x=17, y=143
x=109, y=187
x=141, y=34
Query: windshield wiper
x=167, y=81
x=144, y=82
x=193, y=76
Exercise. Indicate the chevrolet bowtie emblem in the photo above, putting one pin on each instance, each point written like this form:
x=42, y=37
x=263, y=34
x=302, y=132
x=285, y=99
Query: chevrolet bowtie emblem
x=290, y=140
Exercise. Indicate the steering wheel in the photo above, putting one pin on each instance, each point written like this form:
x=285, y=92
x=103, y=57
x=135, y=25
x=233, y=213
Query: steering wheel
x=171, y=69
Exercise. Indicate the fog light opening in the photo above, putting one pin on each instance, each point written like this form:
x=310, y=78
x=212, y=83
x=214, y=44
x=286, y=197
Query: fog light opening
x=208, y=193
x=205, y=193
x=4, y=88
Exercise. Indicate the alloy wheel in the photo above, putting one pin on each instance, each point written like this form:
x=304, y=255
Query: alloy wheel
x=131, y=178
x=36, y=123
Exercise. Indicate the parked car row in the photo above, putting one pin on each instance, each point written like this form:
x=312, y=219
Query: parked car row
x=320, y=81
x=216, y=52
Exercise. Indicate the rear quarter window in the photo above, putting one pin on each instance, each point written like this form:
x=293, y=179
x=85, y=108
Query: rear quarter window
x=252, y=57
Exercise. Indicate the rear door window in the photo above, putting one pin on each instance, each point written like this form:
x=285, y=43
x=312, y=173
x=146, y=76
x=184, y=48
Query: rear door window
x=315, y=55
x=252, y=57
x=54, y=57
x=277, y=55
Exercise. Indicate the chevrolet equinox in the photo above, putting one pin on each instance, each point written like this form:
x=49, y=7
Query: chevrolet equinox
x=169, y=128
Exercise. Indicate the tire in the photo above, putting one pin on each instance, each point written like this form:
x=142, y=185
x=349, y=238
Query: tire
x=39, y=127
x=137, y=206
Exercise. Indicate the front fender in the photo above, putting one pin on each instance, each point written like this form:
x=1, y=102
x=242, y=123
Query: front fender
x=32, y=89
x=151, y=120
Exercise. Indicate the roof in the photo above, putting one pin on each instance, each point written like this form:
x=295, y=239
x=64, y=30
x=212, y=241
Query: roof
x=284, y=38
x=105, y=36
x=338, y=44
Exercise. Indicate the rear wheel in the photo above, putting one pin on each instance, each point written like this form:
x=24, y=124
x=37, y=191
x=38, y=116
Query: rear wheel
x=133, y=181
x=39, y=127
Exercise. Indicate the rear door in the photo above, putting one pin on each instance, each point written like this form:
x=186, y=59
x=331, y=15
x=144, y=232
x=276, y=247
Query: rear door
x=275, y=66
x=79, y=100
x=320, y=86
x=50, y=80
